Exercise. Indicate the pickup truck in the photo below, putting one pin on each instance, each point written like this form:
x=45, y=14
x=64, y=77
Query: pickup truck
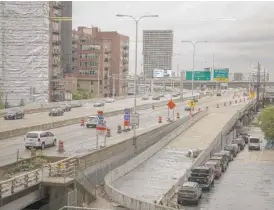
x=203, y=175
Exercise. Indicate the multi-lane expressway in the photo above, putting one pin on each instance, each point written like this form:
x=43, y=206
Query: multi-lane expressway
x=87, y=109
x=79, y=140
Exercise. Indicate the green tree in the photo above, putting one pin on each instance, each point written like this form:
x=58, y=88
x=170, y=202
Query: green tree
x=81, y=94
x=266, y=122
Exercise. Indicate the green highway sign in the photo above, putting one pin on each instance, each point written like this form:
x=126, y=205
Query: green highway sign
x=199, y=75
x=221, y=75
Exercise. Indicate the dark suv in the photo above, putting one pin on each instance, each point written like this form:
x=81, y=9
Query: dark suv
x=240, y=142
x=203, y=175
x=14, y=113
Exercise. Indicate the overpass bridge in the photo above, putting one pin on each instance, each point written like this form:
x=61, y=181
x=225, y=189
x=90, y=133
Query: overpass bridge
x=187, y=84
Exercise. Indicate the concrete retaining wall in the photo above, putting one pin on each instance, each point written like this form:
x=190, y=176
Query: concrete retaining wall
x=133, y=203
x=47, y=126
x=216, y=145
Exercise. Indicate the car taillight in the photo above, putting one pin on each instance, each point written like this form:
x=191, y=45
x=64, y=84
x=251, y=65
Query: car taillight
x=38, y=140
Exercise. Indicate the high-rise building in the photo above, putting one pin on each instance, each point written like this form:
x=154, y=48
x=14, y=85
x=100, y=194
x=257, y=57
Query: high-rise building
x=31, y=48
x=100, y=61
x=157, y=50
x=238, y=76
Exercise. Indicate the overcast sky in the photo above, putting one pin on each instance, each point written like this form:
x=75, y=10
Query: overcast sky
x=233, y=42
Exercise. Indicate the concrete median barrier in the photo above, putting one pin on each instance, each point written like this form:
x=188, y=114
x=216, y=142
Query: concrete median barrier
x=47, y=126
x=134, y=203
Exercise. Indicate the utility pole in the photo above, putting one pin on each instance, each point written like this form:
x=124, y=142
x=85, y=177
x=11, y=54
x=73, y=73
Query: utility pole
x=264, y=88
x=258, y=86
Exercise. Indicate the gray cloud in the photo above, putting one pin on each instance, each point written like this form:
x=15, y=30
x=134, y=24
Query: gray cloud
x=234, y=43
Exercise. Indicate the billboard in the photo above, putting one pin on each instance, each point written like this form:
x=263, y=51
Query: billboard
x=160, y=73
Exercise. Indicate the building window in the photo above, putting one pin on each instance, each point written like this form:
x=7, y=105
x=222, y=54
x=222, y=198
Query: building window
x=87, y=72
x=89, y=55
x=90, y=47
x=89, y=64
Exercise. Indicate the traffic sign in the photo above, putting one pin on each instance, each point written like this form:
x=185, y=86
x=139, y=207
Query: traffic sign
x=252, y=94
x=191, y=103
x=171, y=104
x=126, y=117
x=221, y=75
x=127, y=111
x=199, y=75
x=134, y=119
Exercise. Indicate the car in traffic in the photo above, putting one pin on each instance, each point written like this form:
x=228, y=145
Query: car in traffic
x=92, y=122
x=222, y=161
x=145, y=98
x=225, y=155
x=187, y=108
x=189, y=192
x=109, y=100
x=156, y=98
x=14, y=114
x=39, y=139
x=254, y=143
x=244, y=135
x=240, y=142
x=215, y=165
x=228, y=154
x=203, y=175
x=233, y=148
x=56, y=112
x=99, y=104
x=66, y=107
x=219, y=94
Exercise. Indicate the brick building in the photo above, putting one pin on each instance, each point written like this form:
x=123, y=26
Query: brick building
x=100, y=61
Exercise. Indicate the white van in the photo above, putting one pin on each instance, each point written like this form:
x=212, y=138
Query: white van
x=254, y=143
x=39, y=139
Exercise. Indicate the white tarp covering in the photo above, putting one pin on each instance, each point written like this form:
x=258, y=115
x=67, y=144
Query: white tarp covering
x=25, y=51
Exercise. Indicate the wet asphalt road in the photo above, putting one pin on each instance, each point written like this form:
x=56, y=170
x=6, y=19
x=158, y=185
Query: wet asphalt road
x=247, y=184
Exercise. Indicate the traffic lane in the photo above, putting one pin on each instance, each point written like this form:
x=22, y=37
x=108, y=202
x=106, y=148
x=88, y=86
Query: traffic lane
x=247, y=183
x=78, y=140
x=40, y=118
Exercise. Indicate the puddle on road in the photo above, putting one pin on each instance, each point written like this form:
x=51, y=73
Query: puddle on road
x=153, y=178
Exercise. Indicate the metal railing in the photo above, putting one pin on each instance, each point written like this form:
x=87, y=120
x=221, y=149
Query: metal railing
x=19, y=183
x=62, y=169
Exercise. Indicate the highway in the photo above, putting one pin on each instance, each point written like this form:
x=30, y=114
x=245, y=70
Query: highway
x=153, y=178
x=79, y=140
x=247, y=184
x=98, y=171
x=87, y=109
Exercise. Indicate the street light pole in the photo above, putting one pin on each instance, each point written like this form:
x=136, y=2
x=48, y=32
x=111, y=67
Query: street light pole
x=193, y=63
x=136, y=20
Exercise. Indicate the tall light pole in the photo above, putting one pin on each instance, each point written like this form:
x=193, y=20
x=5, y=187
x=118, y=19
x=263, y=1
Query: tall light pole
x=193, y=62
x=136, y=20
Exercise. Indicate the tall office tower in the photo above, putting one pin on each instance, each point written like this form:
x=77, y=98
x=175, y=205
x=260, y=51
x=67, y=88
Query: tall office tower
x=157, y=50
x=31, y=67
